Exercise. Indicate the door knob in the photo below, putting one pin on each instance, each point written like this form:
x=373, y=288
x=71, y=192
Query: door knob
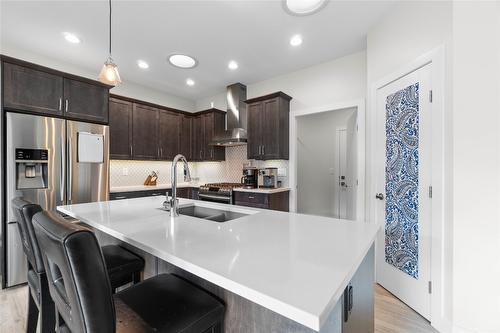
x=379, y=196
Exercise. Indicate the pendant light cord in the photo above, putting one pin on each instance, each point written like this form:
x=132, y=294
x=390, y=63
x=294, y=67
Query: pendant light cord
x=110, y=28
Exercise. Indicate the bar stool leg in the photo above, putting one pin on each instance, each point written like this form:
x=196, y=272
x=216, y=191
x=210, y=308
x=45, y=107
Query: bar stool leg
x=47, y=312
x=136, y=278
x=32, y=318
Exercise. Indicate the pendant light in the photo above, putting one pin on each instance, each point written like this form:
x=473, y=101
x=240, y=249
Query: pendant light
x=109, y=72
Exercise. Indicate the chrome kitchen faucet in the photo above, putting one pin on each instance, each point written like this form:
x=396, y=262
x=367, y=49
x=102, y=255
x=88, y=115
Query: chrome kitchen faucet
x=172, y=204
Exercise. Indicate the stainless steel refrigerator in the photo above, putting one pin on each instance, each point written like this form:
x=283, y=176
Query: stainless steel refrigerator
x=51, y=162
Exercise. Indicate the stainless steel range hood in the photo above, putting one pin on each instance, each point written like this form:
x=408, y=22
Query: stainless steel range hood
x=236, y=118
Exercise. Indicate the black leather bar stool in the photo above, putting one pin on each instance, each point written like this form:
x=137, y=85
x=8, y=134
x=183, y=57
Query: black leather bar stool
x=122, y=267
x=82, y=293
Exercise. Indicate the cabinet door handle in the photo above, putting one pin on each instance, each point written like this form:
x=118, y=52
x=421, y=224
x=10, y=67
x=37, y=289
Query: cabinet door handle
x=131, y=151
x=120, y=197
x=259, y=150
x=161, y=152
x=60, y=103
x=250, y=197
x=263, y=150
x=66, y=105
x=201, y=154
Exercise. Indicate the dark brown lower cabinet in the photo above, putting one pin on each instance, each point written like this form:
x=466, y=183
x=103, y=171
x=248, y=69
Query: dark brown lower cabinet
x=274, y=201
x=182, y=192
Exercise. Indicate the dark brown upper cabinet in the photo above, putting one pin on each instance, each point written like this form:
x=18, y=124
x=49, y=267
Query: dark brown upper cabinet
x=120, y=129
x=169, y=134
x=185, y=136
x=198, y=139
x=206, y=125
x=213, y=122
x=268, y=127
x=254, y=130
x=84, y=101
x=32, y=88
x=27, y=89
x=145, y=132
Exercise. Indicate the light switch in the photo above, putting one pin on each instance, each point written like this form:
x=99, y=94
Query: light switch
x=125, y=171
x=281, y=172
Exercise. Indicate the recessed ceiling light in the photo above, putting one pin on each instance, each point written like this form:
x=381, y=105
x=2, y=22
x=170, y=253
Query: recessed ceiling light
x=182, y=61
x=72, y=38
x=303, y=7
x=296, y=40
x=190, y=82
x=232, y=65
x=142, y=64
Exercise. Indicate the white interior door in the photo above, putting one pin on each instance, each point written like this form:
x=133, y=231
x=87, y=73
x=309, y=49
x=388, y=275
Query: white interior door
x=404, y=176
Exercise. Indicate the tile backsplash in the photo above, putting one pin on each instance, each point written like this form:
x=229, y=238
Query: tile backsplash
x=130, y=173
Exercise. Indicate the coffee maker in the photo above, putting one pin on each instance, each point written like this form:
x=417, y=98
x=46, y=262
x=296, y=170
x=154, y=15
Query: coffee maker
x=269, y=177
x=250, y=177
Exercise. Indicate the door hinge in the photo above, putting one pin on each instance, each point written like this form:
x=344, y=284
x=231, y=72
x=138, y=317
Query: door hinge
x=430, y=287
x=430, y=192
x=430, y=96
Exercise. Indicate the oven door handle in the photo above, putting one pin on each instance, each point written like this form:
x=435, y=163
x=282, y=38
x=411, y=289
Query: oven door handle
x=214, y=197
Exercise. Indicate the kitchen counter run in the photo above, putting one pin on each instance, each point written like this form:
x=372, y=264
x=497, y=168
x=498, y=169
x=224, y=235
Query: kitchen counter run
x=262, y=190
x=134, y=188
x=293, y=264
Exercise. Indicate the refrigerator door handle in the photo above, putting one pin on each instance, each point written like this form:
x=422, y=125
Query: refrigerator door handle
x=63, y=172
x=70, y=170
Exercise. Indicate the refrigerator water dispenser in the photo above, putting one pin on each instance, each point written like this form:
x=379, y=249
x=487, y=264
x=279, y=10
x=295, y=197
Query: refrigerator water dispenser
x=31, y=168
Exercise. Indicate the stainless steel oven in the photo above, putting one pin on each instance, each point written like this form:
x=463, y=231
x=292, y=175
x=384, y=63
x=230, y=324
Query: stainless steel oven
x=218, y=192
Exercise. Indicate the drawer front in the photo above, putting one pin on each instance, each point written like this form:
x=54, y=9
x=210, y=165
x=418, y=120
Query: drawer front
x=250, y=204
x=137, y=194
x=251, y=198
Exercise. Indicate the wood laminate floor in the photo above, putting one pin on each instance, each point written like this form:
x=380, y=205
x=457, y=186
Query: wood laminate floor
x=391, y=315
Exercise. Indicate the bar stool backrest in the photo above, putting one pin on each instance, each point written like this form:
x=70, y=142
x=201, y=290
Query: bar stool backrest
x=24, y=211
x=78, y=280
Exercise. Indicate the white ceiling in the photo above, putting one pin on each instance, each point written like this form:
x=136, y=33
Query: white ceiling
x=254, y=33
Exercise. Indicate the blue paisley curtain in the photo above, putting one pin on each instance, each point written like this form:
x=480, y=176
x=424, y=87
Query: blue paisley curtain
x=401, y=172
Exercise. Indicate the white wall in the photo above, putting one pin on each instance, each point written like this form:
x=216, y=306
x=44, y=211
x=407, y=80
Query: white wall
x=127, y=88
x=317, y=163
x=476, y=164
x=407, y=31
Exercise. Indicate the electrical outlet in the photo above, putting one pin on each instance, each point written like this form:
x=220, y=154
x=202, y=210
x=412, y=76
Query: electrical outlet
x=125, y=171
x=282, y=172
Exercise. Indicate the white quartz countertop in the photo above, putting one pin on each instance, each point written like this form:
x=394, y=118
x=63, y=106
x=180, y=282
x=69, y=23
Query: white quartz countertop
x=295, y=265
x=134, y=188
x=262, y=190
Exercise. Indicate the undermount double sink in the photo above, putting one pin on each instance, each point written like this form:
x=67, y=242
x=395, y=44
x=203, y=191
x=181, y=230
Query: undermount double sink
x=212, y=214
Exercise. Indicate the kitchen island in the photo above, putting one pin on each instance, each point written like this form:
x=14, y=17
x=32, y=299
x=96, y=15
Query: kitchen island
x=276, y=271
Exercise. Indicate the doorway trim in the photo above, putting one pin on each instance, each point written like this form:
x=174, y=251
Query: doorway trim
x=359, y=104
x=440, y=253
